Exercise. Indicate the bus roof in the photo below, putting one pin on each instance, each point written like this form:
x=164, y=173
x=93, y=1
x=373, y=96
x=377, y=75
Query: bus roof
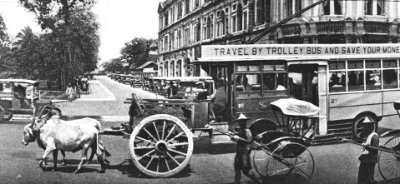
x=18, y=81
x=297, y=52
x=183, y=79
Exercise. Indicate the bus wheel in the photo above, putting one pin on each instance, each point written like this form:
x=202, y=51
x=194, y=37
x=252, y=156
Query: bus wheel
x=359, y=132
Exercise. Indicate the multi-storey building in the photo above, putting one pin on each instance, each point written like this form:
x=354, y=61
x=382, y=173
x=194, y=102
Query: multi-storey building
x=185, y=25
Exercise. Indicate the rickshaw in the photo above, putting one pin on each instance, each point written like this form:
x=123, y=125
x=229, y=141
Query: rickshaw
x=84, y=86
x=13, y=98
x=389, y=152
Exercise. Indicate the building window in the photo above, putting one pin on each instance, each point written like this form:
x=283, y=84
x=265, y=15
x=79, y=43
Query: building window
x=186, y=36
x=239, y=17
x=172, y=69
x=179, y=39
x=245, y=20
x=180, y=10
x=332, y=7
x=165, y=43
x=234, y=23
x=374, y=7
x=211, y=26
x=172, y=41
x=187, y=7
x=166, y=19
x=260, y=11
x=198, y=31
x=196, y=3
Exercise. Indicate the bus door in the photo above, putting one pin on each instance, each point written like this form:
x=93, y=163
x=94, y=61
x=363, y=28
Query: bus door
x=221, y=73
x=308, y=82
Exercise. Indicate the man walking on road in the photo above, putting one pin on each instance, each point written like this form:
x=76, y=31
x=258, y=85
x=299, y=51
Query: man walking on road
x=369, y=157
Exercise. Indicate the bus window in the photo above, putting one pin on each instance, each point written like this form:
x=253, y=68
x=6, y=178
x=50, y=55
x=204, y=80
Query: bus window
x=269, y=81
x=248, y=82
x=356, y=80
x=373, y=79
x=281, y=82
x=337, y=82
x=390, y=76
x=390, y=79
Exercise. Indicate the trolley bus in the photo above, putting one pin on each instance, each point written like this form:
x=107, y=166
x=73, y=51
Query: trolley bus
x=347, y=81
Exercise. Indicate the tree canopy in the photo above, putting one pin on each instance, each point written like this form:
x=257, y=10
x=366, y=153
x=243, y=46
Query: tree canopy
x=68, y=48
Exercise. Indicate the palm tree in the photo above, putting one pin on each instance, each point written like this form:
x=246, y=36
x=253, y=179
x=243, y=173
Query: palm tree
x=25, y=37
x=3, y=28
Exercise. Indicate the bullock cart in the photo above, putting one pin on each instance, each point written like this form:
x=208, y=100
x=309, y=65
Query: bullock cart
x=161, y=143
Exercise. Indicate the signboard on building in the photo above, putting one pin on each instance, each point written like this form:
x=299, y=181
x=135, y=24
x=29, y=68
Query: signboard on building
x=297, y=51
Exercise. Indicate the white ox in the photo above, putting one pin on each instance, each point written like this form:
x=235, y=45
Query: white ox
x=54, y=134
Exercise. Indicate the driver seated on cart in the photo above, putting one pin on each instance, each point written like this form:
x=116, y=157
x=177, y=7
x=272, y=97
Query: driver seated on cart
x=242, y=162
x=218, y=102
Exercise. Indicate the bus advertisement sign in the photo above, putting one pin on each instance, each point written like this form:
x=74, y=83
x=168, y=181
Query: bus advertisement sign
x=234, y=52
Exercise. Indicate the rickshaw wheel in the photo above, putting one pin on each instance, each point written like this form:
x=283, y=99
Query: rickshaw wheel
x=290, y=162
x=389, y=163
x=161, y=145
x=359, y=133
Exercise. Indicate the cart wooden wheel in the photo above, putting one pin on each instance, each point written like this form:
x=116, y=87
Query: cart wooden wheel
x=389, y=162
x=359, y=132
x=290, y=161
x=161, y=145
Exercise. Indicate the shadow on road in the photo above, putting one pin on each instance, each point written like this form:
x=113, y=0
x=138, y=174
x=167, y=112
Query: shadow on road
x=128, y=168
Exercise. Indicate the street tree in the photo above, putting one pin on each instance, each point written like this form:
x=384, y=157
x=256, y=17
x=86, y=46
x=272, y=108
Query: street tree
x=57, y=17
x=3, y=28
x=113, y=66
x=136, y=51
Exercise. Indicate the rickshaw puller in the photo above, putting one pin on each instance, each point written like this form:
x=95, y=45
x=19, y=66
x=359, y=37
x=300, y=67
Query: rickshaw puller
x=242, y=162
x=369, y=157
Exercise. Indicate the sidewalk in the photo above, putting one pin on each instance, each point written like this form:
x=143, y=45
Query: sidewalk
x=105, y=102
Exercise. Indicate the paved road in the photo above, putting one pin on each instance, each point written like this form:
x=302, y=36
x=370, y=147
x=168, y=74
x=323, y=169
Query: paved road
x=209, y=164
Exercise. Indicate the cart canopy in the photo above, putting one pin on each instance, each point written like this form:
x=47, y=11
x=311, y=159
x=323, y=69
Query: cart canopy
x=294, y=107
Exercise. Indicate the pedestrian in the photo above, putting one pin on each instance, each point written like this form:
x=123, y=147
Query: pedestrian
x=369, y=156
x=70, y=92
x=242, y=162
x=172, y=90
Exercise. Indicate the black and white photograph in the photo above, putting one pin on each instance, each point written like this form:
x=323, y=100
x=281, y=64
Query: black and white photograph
x=200, y=91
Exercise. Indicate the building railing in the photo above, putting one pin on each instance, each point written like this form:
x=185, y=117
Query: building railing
x=376, y=27
x=331, y=27
x=291, y=30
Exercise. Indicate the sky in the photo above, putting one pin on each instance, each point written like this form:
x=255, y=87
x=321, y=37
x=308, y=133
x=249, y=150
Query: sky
x=120, y=21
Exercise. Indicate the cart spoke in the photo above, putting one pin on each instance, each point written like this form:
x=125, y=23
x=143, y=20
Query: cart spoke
x=163, y=130
x=147, y=154
x=166, y=163
x=170, y=132
x=178, y=144
x=170, y=156
x=158, y=163
x=145, y=140
x=145, y=129
x=176, y=137
x=177, y=152
x=155, y=127
x=145, y=147
x=148, y=164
